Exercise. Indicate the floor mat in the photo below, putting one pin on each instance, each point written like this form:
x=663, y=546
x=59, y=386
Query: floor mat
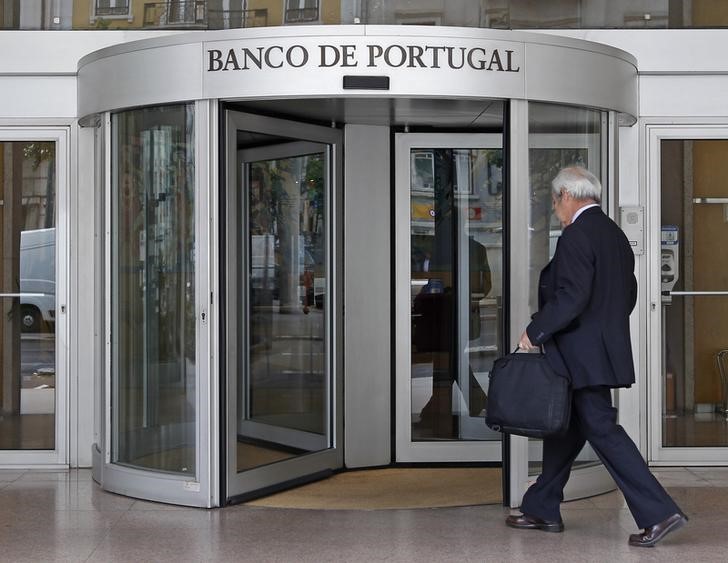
x=389, y=488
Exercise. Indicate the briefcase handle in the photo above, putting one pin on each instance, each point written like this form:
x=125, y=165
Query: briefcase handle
x=540, y=347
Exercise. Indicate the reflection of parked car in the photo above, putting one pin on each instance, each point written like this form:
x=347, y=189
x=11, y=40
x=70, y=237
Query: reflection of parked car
x=37, y=279
x=313, y=284
x=266, y=269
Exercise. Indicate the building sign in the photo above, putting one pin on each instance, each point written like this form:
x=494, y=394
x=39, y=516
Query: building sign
x=310, y=65
x=356, y=61
x=371, y=56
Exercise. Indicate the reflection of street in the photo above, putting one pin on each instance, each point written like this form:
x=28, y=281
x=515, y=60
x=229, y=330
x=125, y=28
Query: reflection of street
x=287, y=368
x=482, y=351
x=31, y=425
x=454, y=418
x=37, y=360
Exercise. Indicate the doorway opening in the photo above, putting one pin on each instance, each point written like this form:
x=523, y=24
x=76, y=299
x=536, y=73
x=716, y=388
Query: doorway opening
x=281, y=378
x=449, y=205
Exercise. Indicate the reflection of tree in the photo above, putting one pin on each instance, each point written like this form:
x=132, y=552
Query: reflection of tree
x=544, y=165
x=314, y=194
x=313, y=209
x=267, y=195
x=488, y=177
x=289, y=230
x=492, y=159
x=261, y=209
x=37, y=153
x=154, y=269
x=286, y=202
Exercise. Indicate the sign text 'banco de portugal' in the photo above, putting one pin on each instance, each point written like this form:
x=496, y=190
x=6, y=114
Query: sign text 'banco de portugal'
x=299, y=56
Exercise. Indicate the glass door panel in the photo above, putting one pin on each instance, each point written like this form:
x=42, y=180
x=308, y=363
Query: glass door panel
x=454, y=188
x=29, y=381
x=561, y=136
x=153, y=316
x=155, y=428
x=281, y=379
x=284, y=389
x=694, y=286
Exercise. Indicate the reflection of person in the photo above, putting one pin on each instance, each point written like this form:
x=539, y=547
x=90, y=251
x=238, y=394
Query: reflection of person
x=586, y=294
x=434, y=310
x=480, y=281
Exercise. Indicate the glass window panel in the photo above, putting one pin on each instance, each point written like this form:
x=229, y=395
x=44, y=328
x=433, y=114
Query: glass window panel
x=498, y=14
x=694, y=217
x=153, y=289
x=301, y=10
x=27, y=295
x=112, y=7
x=558, y=136
x=525, y=14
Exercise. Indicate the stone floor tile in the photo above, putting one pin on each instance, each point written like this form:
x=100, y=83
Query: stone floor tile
x=9, y=475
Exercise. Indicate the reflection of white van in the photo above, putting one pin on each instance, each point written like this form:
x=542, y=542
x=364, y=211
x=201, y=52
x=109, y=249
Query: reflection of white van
x=263, y=261
x=264, y=270
x=37, y=279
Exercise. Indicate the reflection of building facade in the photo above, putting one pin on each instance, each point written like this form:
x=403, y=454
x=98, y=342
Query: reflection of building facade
x=315, y=267
x=174, y=14
x=231, y=14
x=201, y=14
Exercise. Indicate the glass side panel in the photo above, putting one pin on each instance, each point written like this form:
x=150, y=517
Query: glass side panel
x=694, y=217
x=284, y=391
x=561, y=14
x=456, y=237
x=235, y=14
x=154, y=375
x=27, y=295
x=558, y=136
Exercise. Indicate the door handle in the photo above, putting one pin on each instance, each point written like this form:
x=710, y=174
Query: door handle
x=25, y=294
x=723, y=200
x=699, y=293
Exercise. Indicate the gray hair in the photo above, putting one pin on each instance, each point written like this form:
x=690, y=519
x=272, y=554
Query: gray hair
x=578, y=182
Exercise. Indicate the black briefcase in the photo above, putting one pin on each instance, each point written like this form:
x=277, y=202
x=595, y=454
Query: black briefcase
x=527, y=397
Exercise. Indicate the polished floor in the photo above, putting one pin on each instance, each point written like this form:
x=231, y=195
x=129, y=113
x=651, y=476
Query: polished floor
x=67, y=517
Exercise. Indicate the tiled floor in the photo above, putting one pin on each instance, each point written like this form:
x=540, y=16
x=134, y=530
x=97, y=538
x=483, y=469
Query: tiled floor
x=66, y=517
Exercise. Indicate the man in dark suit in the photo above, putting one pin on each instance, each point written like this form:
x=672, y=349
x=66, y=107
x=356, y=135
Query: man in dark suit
x=586, y=294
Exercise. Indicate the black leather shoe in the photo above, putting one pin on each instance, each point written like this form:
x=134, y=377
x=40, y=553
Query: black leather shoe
x=650, y=536
x=525, y=522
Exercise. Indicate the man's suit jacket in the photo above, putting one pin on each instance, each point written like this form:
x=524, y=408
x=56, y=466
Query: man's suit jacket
x=586, y=294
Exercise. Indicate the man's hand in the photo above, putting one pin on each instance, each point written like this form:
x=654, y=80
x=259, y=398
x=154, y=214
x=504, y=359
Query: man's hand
x=525, y=343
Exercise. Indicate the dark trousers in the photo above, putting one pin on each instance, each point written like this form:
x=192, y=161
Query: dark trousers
x=594, y=419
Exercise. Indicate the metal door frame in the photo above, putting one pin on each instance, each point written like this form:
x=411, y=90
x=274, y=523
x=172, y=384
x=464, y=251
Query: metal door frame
x=405, y=449
x=265, y=478
x=199, y=489
x=655, y=131
x=57, y=458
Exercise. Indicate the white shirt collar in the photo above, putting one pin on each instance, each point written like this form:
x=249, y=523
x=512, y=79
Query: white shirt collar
x=581, y=210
